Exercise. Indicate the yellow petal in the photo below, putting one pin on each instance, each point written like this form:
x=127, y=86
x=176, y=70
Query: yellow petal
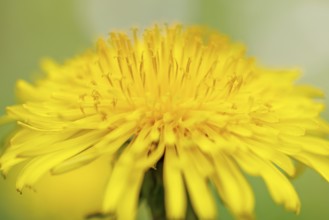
x=201, y=162
x=175, y=196
x=152, y=157
x=116, y=187
x=35, y=146
x=120, y=179
x=284, y=162
x=74, y=162
x=242, y=130
x=198, y=189
x=120, y=133
x=310, y=144
x=278, y=185
x=28, y=92
x=318, y=162
x=141, y=141
x=233, y=187
x=289, y=129
x=205, y=144
x=169, y=135
x=269, y=152
x=127, y=208
x=40, y=165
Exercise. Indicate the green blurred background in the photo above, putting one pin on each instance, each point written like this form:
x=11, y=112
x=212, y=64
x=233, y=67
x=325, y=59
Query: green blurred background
x=279, y=33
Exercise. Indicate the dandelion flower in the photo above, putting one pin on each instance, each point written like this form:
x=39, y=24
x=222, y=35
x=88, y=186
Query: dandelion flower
x=185, y=103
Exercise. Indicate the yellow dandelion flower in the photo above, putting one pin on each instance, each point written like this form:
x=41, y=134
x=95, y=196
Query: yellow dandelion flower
x=184, y=103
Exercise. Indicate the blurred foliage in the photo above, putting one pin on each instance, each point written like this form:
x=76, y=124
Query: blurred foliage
x=278, y=33
x=30, y=31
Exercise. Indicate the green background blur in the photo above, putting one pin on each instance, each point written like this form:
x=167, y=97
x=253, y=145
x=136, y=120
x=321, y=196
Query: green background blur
x=279, y=33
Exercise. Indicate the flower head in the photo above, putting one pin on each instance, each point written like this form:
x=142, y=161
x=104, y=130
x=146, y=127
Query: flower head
x=184, y=97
